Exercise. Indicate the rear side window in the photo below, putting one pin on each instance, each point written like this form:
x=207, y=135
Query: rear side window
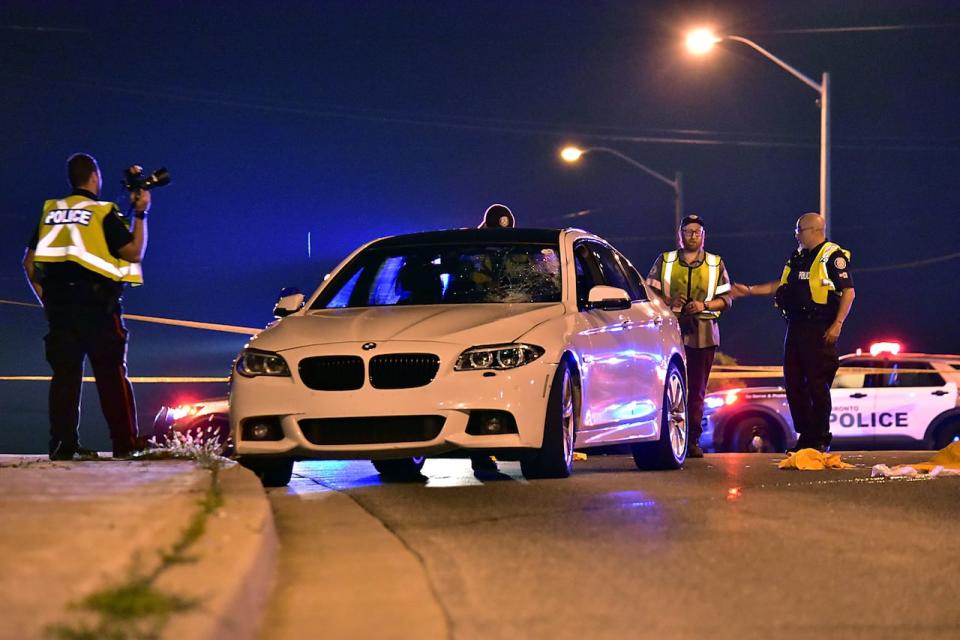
x=848, y=378
x=909, y=374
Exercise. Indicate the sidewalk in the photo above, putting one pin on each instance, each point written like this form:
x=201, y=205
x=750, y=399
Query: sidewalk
x=70, y=529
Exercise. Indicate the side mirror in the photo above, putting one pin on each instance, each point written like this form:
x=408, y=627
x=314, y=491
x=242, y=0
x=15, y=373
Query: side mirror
x=608, y=298
x=290, y=301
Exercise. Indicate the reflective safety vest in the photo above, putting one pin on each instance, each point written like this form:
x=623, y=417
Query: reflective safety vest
x=695, y=283
x=820, y=282
x=71, y=229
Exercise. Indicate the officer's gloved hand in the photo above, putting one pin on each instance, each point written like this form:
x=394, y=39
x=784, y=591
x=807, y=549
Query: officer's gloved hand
x=140, y=201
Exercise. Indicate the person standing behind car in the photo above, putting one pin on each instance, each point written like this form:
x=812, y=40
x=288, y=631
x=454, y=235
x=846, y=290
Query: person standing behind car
x=815, y=293
x=697, y=287
x=81, y=254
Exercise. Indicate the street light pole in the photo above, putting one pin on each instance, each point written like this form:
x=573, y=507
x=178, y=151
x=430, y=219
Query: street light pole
x=572, y=154
x=677, y=199
x=701, y=41
x=825, y=150
x=824, y=90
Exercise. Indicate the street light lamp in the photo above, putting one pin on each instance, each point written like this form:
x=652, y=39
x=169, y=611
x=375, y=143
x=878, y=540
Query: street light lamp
x=573, y=154
x=701, y=41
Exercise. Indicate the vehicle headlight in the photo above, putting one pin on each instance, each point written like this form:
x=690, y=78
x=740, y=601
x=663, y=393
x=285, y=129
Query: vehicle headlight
x=497, y=356
x=253, y=362
x=713, y=402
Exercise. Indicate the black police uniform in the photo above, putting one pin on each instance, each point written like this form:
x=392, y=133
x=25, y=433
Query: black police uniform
x=83, y=311
x=809, y=363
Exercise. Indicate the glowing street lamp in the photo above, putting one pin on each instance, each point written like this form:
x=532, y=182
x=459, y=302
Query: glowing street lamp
x=573, y=154
x=701, y=41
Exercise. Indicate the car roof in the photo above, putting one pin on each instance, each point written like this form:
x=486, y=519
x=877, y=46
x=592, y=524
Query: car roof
x=456, y=236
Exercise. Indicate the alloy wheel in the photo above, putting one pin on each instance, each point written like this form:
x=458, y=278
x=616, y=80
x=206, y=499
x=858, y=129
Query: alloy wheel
x=677, y=414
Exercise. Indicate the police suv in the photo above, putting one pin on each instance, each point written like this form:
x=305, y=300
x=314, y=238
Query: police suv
x=882, y=399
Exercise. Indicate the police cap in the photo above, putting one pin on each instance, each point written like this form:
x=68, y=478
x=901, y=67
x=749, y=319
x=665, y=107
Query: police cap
x=498, y=215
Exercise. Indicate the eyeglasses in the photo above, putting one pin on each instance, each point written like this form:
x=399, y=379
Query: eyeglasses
x=798, y=230
x=692, y=232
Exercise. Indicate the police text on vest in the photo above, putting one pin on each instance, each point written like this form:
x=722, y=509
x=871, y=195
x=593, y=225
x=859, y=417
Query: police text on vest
x=68, y=216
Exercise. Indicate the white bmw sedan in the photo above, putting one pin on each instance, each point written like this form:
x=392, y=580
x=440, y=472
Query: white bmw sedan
x=524, y=344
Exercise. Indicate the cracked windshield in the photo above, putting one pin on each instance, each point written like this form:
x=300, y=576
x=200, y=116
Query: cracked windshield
x=419, y=275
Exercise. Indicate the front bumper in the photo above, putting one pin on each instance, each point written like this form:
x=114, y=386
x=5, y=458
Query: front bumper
x=452, y=395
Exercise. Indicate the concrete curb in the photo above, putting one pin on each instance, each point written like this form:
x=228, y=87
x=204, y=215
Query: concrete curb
x=72, y=528
x=235, y=564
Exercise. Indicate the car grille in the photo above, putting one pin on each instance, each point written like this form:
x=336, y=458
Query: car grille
x=332, y=373
x=376, y=430
x=403, y=370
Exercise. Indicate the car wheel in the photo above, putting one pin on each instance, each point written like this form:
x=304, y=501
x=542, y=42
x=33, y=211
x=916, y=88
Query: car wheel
x=400, y=469
x=273, y=472
x=755, y=434
x=670, y=450
x=554, y=459
x=947, y=434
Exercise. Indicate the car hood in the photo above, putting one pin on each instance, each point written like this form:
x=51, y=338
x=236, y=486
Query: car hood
x=460, y=324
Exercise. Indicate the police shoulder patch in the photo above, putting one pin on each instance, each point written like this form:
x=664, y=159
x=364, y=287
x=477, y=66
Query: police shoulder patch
x=840, y=262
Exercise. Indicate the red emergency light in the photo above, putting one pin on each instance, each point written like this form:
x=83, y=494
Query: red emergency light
x=893, y=348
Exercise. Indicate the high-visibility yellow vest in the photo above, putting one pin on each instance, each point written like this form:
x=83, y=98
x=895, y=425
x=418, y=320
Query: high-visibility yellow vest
x=820, y=283
x=695, y=283
x=71, y=229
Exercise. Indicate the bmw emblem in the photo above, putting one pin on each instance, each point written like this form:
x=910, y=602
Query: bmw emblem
x=367, y=346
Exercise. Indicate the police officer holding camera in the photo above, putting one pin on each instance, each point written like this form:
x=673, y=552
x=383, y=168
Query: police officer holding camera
x=815, y=294
x=81, y=254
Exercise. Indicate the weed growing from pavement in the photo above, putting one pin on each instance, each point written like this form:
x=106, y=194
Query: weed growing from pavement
x=136, y=609
x=204, y=447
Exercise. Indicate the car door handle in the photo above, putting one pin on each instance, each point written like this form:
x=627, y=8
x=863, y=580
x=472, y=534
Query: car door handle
x=940, y=392
x=858, y=395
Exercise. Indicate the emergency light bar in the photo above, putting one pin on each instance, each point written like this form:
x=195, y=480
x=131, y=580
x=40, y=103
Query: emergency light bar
x=893, y=348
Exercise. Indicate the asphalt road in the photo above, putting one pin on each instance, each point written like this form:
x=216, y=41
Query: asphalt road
x=729, y=547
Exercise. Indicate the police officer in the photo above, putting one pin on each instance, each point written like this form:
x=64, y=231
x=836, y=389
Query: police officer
x=81, y=254
x=815, y=293
x=696, y=286
x=498, y=216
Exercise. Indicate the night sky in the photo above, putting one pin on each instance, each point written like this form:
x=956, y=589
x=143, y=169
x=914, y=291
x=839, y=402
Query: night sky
x=346, y=121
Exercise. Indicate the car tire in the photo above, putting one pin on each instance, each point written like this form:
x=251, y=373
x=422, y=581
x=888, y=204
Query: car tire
x=755, y=434
x=669, y=451
x=947, y=433
x=400, y=469
x=554, y=458
x=273, y=472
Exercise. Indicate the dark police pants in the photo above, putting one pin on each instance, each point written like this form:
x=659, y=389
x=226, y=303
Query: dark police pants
x=699, y=363
x=809, y=365
x=91, y=328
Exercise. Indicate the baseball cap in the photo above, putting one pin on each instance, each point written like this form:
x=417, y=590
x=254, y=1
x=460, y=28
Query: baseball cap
x=692, y=219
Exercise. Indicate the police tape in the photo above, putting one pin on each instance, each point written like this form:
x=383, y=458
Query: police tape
x=719, y=372
x=190, y=324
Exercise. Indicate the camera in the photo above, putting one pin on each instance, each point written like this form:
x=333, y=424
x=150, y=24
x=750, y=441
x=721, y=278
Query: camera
x=134, y=181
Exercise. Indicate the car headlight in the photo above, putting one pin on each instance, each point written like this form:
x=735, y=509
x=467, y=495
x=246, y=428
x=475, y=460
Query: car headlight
x=497, y=356
x=261, y=363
